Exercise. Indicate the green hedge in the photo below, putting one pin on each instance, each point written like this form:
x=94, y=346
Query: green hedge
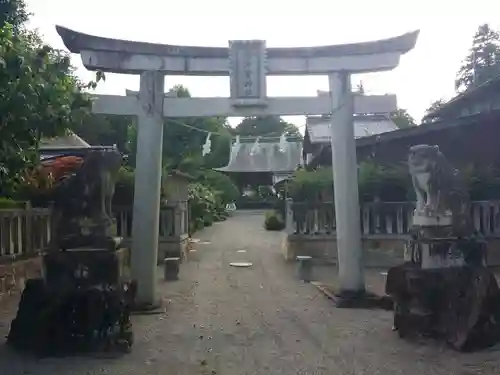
x=8, y=203
x=389, y=183
x=274, y=221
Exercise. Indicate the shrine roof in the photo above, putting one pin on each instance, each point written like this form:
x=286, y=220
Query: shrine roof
x=267, y=158
x=318, y=127
x=77, y=42
x=71, y=140
x=454, y=107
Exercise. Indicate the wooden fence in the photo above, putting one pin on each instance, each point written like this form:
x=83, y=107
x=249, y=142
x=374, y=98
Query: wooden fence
x=389, y=219
x=26, y=232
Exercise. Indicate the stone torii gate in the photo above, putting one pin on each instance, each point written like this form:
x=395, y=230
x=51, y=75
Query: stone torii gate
x=247, y=63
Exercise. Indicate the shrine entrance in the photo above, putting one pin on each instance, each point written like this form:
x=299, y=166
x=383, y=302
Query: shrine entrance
x=247, y=63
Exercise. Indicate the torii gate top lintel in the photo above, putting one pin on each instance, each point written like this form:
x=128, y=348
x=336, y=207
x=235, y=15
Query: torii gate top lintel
x=114, y=55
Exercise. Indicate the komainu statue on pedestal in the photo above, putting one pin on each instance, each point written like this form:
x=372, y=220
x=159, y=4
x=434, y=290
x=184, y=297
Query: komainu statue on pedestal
x=83, y=300
x=444, y=289
x=442, y=197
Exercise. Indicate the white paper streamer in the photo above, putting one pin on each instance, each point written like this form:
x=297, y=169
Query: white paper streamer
x=255, y=148
x=236, y=147
x=283, y=143
x=207, y=147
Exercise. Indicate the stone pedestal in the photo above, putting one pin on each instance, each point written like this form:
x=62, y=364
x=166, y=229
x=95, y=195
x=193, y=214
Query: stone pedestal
x=432, y=245
x=431, y=220
x=444, y=288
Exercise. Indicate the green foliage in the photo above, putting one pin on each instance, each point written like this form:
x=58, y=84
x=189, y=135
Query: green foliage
x=435, y=105
x=221, y=184
x=106, y=130
x=390, y=183
x=7, y=204
x=266, y=125
x=202, y=206
x=124, y=188
x=13, y=12
x=482, y=62
x=307, y=185
x=385, y=183
x=483, y=182
x=402, y=119
x=39, y=96
x=207, y=197
x=274, y=221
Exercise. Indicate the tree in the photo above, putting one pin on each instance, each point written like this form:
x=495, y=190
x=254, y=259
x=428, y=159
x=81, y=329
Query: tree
x=266, y=126
x=106, y=130
x=39, y=96
x=14, y=13
x=402, y=119
x=435, y=105
x=360, y=89
x=483, y=60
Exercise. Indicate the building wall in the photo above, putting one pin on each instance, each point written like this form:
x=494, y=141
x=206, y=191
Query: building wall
x=462, y=145
x=474, y=143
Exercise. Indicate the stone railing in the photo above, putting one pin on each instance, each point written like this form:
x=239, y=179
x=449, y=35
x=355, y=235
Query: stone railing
x=173, y=232
x=174, y=221
x=24, y=232
x=384, y=219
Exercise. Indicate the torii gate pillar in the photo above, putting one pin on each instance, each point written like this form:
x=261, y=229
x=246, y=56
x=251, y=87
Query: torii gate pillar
x=345, y=178
x=247, y=63
x=148, y=173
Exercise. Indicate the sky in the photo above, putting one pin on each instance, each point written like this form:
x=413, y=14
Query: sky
x=425, y=74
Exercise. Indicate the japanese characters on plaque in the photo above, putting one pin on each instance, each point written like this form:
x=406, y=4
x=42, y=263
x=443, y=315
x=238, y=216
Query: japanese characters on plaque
x=247, y=61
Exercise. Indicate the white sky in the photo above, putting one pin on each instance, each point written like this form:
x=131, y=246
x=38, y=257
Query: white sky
x=425, y=74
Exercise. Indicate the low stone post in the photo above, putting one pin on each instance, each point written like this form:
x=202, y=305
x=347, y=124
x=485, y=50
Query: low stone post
x=289, y=216
x=304, y=268
x=171, y=268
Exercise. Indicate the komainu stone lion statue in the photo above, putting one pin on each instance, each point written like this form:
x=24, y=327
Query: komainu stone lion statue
x=82, y=210
x=438, y=186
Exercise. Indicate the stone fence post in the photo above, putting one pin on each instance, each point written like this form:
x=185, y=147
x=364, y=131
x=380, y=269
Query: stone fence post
x=289, y=216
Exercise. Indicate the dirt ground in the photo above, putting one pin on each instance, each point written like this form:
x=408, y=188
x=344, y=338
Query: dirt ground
x=258, y=320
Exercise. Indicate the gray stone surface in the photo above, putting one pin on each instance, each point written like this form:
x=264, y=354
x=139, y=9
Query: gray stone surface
x=258, y=320
x=76, y=42
x=364, y=126
x=71, y=140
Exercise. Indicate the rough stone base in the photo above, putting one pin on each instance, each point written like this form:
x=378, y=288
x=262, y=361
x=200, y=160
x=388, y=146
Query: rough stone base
x=14, y=274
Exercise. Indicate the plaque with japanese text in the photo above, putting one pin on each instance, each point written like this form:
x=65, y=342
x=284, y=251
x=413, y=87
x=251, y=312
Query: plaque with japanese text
x=247, y=61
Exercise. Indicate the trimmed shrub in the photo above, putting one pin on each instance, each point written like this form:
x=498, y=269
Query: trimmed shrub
x=274, y=221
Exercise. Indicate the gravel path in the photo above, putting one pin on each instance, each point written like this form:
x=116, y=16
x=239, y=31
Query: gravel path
x=257, y=320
